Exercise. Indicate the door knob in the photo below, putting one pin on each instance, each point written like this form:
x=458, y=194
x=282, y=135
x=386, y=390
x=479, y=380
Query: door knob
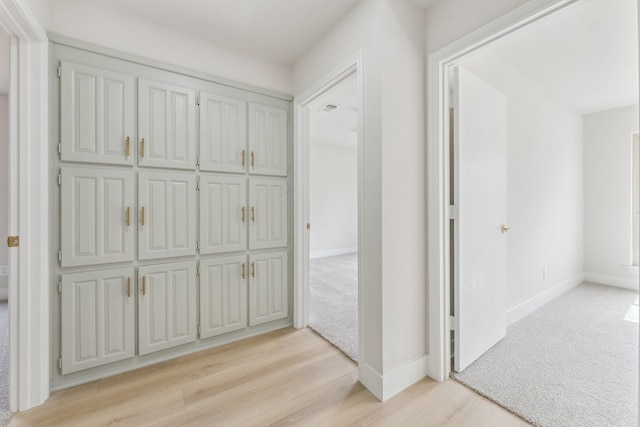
x=505, y=229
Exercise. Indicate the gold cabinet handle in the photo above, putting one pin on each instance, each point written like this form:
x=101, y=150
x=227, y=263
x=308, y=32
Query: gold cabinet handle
x=243, y=275
x=127, y=216
x=142, y=148
x=242, y=161
x=128, y=287
x=243, y=214
x=252, y=159
x=253, y=269
x=505, y=229
x=126, y=147
x=142, y=215
x=253, y=214
x=144, y=285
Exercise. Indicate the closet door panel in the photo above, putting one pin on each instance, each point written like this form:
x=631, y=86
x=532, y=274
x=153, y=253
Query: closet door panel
x=268, y=213
x=223, y=295
x=96, y=115
x=96, y=216
x=167, y=215
x=166, y=306
x=268, y=140
x=223, y=133
x=223, y=214
x=98, y=323
x=268, y=287
x=166, y=125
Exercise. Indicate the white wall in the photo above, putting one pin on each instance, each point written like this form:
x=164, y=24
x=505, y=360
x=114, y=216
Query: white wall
x=4, y=190
x=391, y=35
x=607, y=200
x=544, y=183
x=333, y=181
x=103, y=26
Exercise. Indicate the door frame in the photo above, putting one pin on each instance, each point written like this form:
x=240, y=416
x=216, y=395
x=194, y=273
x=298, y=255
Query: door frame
x=438, y=178
x=29, y=361
x=301, y=149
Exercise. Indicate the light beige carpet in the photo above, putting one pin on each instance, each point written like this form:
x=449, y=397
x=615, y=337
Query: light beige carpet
x=573, y=362
x=333, y=301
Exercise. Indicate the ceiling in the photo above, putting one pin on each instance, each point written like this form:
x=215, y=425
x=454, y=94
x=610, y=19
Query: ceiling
x=278, y=30
x=585, y=54
x=340, y=126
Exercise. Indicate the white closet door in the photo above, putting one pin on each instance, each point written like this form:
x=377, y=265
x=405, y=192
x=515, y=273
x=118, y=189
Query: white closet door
x=223, y=295
x=166, y=215
x=97, y=213
x=267, y=213
x=166, y=306
x=223, y=214
x=267, y=140
x=167, y=124
x=96, y=115
x=98, y=323
x=223, y=133
x=268, y=287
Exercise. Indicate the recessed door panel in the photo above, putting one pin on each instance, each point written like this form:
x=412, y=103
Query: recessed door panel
x=223, y=133
x=96, y=115
x=96, y=216
x=166, y=306
x=268, y=213
x=167, y=215
x=268, y=287
x=223, y=214
x=98, y=323
x=268, y=138
x=223, y=295
x=167, y=124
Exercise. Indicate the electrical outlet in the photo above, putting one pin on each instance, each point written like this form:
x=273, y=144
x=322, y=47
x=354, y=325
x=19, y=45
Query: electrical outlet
x=4, y=270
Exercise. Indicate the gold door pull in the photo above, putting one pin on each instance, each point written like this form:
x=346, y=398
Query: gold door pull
x=243, y=214
x=144, y=285
x=127, y=216
x=128, y=287
x=253, y=269
x=142, y=148
x=126, y=147
x=242, y=156
x=253, y=214
x=142, y=215
x=253, y=159
x=505, y=229
x=243, y=274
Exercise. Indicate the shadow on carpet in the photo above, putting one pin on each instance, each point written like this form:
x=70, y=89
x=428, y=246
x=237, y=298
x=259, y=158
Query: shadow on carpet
x=573, y=362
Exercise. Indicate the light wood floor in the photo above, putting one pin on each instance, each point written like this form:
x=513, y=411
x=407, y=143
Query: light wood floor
x=289, y=377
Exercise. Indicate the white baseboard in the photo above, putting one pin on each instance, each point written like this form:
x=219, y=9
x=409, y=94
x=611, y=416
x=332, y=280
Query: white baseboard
x=618, y=282
x=333, y=252
x=392, y=383
x=521, y=310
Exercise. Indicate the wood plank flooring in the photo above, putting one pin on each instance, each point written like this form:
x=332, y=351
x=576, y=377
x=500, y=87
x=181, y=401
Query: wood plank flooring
x=288, y=377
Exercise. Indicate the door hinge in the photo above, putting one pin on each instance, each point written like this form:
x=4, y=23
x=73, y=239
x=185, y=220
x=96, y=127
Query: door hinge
x=59, y=177
x=198, y=329
x=60, y=362
x=198, y=250
x=197, y=161
x=59, y=71
x=453, y=212
x=197, y=183
x=60, y=256
x=453, y=323
x=60, y=287
x=197, y=100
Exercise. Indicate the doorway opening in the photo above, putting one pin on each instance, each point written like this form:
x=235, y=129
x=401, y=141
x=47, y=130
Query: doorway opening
x=333, y=193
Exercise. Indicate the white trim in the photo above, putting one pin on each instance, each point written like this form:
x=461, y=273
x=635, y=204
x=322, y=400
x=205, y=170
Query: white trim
x=29, y=207
x=404, y=376
x=524, y=309
x=438, y=168
x=353, y=64
x=332, y=252
x=371, y=379
x=618, y=282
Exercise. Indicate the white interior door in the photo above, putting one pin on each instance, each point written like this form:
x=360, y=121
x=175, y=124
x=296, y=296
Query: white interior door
x=267, y=140
x=267, y=213
x=480, y=194
x=223, y=214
